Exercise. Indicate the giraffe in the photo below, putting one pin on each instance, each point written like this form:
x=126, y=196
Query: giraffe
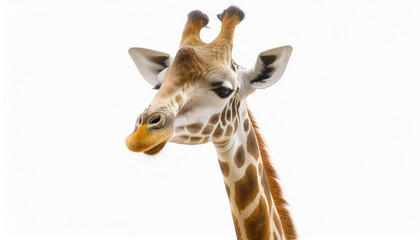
x=200, y=99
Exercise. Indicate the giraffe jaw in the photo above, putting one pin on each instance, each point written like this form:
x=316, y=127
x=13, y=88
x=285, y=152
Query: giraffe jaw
x=141, y=141
x=156, y=149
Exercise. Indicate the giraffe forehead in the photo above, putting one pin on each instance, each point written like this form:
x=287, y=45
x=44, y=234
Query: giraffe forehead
x=191, y=60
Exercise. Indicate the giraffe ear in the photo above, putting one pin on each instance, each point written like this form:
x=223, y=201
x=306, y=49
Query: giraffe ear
x=269, y=67
x=152, y=65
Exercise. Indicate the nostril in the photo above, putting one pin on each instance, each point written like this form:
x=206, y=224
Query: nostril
x=154, y=119
x=140, y=120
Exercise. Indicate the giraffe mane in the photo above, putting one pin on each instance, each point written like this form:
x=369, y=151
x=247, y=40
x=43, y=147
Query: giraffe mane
x=276, y=192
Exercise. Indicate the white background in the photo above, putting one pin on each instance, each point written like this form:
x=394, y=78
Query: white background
x=343, y=124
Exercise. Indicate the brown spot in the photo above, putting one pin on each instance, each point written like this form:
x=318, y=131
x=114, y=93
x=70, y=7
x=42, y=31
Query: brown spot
x=277, y=222
x=227, y=190
x=267, y=192
x=206, y=139
x=234, y=110
x=246, y=188
x=195, y=127
x=222, y=116
x=224, y=166
x=237, y=230
x=228, y=115
x=178, y=99
x=246, y=125
x=229, y=130
x=237, y=104
x=180, y=128
x=230, y=101
x=260, y=169
x=207, y=130
x=275, y=236
x=258, y=224
x=218, y=132
x=184, y=137
x=252, y=145
x=232, y=67
x=236, y=124
x=195, y=139
x=240, y=156
x=214, y=118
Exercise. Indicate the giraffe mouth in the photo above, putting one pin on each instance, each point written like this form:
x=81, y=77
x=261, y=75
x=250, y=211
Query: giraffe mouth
x=155, y=149
x=149, y=143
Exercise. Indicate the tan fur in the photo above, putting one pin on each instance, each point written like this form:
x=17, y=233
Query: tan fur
x=225, y=37
x=191, y=34
x=276, y=192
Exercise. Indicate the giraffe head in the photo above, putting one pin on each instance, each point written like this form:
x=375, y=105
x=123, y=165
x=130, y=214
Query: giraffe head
x=201, y=90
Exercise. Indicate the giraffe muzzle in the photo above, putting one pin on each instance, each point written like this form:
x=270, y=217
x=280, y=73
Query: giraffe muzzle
x=152, y=133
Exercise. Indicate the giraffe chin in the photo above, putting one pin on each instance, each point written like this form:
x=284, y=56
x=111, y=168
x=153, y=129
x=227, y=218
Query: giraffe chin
x=155, y=149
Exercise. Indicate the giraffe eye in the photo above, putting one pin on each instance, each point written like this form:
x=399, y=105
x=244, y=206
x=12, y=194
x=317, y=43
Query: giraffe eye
x=223, y=92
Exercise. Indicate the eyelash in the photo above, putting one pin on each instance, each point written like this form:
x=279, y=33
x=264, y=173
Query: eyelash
x=223, y=92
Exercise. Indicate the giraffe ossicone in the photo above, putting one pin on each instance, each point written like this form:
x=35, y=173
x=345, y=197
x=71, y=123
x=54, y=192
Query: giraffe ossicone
x=201, y=98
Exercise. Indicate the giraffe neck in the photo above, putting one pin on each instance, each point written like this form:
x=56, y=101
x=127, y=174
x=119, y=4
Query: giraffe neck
x=253, y=209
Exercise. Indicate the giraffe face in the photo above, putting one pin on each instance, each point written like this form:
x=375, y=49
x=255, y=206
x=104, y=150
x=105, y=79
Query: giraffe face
x=196, y=103
x=201, y=91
